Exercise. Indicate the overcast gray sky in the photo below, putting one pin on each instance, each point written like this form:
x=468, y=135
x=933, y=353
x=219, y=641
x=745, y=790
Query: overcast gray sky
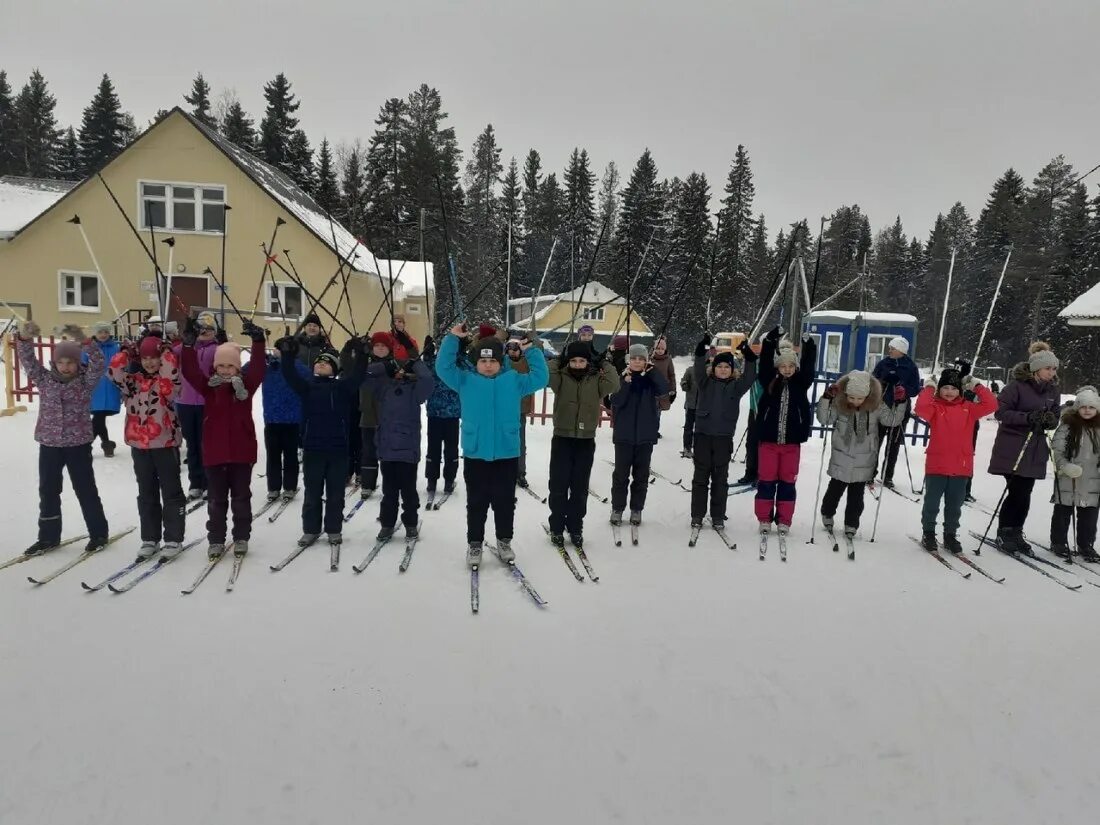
x=902, y=107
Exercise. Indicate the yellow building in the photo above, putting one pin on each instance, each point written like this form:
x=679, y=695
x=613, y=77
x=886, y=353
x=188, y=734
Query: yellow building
x=204, y=198
x=598, y=307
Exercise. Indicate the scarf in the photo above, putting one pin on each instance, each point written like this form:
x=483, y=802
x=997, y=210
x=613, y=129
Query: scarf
x=239, y=390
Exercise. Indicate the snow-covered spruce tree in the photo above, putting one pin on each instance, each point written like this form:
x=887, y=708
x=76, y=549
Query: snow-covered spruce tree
x=278, y=125
x=199, y=101
x=102, y=133
x=37, y=137
x=238, y=128
x=327, y=193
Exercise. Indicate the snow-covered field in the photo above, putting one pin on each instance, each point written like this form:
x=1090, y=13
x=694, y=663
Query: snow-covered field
x=688, y=686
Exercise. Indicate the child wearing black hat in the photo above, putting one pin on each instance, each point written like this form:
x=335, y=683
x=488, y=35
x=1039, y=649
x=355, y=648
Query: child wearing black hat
x=635, y=432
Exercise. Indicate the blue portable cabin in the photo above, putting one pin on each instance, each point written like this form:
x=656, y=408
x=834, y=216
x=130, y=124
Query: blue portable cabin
x=849, y=340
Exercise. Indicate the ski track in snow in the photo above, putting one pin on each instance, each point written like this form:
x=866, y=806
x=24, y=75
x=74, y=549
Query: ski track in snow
x=689, y=686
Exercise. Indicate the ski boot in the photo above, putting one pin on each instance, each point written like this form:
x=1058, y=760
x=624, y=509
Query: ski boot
x=240, y=548
x=384, y=534
x=558, y=540
x=577, y=540
x=337, y=538
x=1061, y=551
x=39, y=547
x=1011, y=540
x=272, y=495
x=307, y=539
x=412, y=531
x=929, y=543
x=686, y=454
x=746, y=479
x=635, y=517
x=194, y=494
x=951, y=542
x=366, y=492
x=969, y=499
x=148, y=550
x=95, y=545
x=522, y=482
x=171, y=550
x=289, y=494
x=473, y=554
x=448, y=487
x=718, y=524
x=109, y=449
x=505, y=551
x=827, y=522
x=616, y=517
x=888, y=483
x=1088, y=554
x=215, y=551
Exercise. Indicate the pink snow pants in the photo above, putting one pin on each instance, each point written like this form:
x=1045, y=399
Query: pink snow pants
x=778, y=472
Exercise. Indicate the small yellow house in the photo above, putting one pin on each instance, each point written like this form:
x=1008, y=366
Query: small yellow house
x=598, y=307
x=191, y=199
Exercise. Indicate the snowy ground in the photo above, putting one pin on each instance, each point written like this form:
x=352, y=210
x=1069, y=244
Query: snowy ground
x=689, y=685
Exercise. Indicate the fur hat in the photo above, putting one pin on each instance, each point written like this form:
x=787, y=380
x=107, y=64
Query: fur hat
x=586, y=328
x=1040, y=356
x=637, y=351
x=327, y=356
x=149, y=347
x=486, y=331
x=723, y=358
x=785, y=354
x=950, y=377
x=1087, y=396
x=488, y=347
x=312, y=318
x=66, y=349
x=399, y=317
x=100, y=326
x=900, y=344
x=228, y=355
x=620, y=342
x=858, y=384
x=383, y=338
x=578, y=349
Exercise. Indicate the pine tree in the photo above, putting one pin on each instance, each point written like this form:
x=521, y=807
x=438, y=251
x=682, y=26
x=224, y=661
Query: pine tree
x=129, y=129
x=1075, y=265
x=641, y=211
x=299, y=162
x=386, y=207
x=691, y=274
x=511, y=215
x=199, y=99
x=550, y=212
x=482, y=176
x=327, y=194
x=238, y=129
x=1045, y=209
x=1000, y=227
x=68, y=157
x=735, y=229
x=101, y=129
x=760, y=266
x=8, y=137
x=278, y=126
x=37, y=137
x=580, y=209
x=847, y=238
x=352, y=211
x=891, y=257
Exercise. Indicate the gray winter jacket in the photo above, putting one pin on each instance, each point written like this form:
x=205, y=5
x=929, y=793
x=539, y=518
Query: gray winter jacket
x=688, y=385
x=855, y=435
x=718, y=403
x=1077, y=442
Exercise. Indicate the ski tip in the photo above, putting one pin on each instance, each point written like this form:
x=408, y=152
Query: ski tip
x=113, y=589
x=33, y=580
x=87, y=587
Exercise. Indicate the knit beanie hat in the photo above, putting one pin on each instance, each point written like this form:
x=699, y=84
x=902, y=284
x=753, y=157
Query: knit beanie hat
x=578, y=349
x=486, y=331
x=228, y=355
x=785, y=354
x=208, y=320
x=950, y=377
x=66, y=349
x=859, y=384
x=328, y=357
x=586, y=328
x=723, y=358
x=383, y=338
x=1087, y=396
x=620, y=342
x=399, y=317
x=312, y=318
x=100, y=326
x=488, y=347
x=149, y=347
x=900, y=344
x=1041, y=356
x=637, y=351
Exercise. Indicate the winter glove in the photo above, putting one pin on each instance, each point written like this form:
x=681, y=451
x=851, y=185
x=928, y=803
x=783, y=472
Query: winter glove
x=73, y=332
x=970, y=395
x=1046, y=419
x=240, y=392
x=391, y=367
x=255, y=332
x=350, y=347
x=403, y=338
x=221, y=336
x=672, y=398
x=930, y=382
x=746, y=352
x=1071, y=470
x=429, y=347
x=900, y=394
x=832, y=391
x=30, y=330
x=287, y=345
x=774, y=335
x=963, y=366
x=1050, y=420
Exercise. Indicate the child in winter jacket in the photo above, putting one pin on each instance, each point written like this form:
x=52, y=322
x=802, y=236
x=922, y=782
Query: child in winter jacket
x=900, y=380
x=228, y=434
x=489, y=396
x=400, y=392
x=855, y=409
x=634, y=432
x=717, y=407
x=783, y=425
x=951, y=407
x=326, y=408
x=282, y=428
x=64, y=434
x=105, y=399
x=189, y=407
x=1076, y=454
x=148, y=378
x=444, y=412
x=578, y=385
x=381, y=350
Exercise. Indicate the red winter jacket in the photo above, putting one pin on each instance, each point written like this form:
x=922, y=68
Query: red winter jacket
x=951, y=425
x=228, y=433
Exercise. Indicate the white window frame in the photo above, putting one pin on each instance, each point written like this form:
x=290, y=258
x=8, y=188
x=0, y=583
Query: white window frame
x=594, y=314
x=169, y=202
x=820, y=352
x=412, y=309
x=62, y=274
x=829, y=336
x=280, y=307
x=880, y=352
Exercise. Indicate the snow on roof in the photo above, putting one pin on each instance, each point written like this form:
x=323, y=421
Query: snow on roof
x=527, y=301
x=851, y=315
x=538, y=316
x=24, y=199
x=594, y=293
x=294, y=200
x=408, y=276
x=1085, y=307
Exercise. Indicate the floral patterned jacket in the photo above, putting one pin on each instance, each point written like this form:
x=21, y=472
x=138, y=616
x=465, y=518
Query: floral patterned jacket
x=151, y=421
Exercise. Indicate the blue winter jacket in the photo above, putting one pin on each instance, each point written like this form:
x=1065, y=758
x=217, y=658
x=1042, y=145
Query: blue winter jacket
x=443, y=402
x=399, y=400
x=106, y=397
x=894, y=372
x=326, y=406
x=637, y=415
x=490, y=419
x=282, y=405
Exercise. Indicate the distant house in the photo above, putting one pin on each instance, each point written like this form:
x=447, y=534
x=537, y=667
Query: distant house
x=599, y=307
x=1085, y=309
x=857, y=340
x=175, y=181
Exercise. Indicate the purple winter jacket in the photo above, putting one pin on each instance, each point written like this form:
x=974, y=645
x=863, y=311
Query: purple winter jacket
x=64, y=407
x=1022, y=395
x=205, y=352
x=399, y=403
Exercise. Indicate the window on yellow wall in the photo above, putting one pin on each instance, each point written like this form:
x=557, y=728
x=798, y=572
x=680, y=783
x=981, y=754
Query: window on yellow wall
x=412, y=309
x=182, y=207
x=79, y=291
x=284, y=299
x=593, y=314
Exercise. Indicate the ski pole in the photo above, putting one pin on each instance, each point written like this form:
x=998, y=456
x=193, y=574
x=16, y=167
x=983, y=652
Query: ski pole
x=733, y=458
x=588, y=277
x=316, y=302
x=909, y=469
x=1000, y=501
x=265, y=269
x=820, y=473
x=890, y=440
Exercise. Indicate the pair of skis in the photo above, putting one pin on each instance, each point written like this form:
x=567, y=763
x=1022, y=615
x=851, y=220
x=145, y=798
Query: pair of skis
x=161, y=562
x=433, y=504
x=616, y=534
x=534, y=495
x=959, y=557
x=87, y=554
x=693, y=537
x=764, y=534
x=1030, y=561
x=849, y=544
x=363, y=500
x=569, y=560
x=238, y=561
x=406, y=560
x=517, y=574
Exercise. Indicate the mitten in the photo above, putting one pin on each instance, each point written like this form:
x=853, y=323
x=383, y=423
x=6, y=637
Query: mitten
x=1071, y=470
x=930, y=382
x=831, y=391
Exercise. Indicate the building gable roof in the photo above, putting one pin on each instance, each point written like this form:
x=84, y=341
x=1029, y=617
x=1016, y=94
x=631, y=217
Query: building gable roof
x=1084, y=310
x=24, y=199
